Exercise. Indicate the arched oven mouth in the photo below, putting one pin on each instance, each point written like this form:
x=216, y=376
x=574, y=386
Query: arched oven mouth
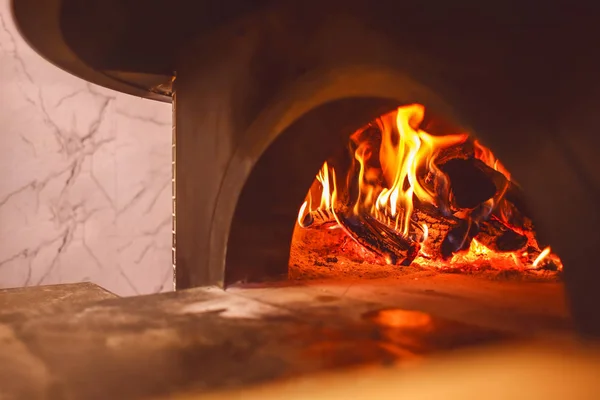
x=350, y=166
x=393, y=203
x=406, y=192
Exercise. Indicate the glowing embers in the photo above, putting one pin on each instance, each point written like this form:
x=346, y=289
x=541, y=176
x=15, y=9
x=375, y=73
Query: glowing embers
x=411, y=197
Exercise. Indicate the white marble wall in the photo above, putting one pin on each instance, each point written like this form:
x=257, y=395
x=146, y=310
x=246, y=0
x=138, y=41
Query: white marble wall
x=85, y=178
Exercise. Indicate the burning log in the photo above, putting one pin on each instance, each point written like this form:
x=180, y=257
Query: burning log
x=509, y=203
x=471, y=181
x=511, y=210
x=380, y=239
x=317, y=218
x=454, y=189
x=438, y=227
x=458, y=238
x=498, y=237
x=463, y=150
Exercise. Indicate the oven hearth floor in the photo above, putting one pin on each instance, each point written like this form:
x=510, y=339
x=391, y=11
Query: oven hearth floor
x=207, y=339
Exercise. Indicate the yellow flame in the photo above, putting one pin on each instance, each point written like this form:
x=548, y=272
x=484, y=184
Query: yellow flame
x=541, y=256
x=360, y=157
x=301, y=213
x=400, y=167
x=334, y=201
x=325, y=202
x=323, y=178
x=405, y=151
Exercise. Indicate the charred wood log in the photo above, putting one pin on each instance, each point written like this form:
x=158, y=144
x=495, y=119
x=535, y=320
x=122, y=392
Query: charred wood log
x=437, y=180
x=509, y=204
x=380, y=239
x=471, y=182
x=318, y=218
x=512, y=210
x=461, y=151
x=498, y=237
x=438, y=226
x=465, y=174
x=458, y=238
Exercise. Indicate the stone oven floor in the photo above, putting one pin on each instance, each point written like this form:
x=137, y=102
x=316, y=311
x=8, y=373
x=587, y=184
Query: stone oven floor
x=56, y=344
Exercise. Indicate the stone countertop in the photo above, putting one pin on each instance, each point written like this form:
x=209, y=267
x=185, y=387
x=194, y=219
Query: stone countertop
x=42, y=299
x=96, y=346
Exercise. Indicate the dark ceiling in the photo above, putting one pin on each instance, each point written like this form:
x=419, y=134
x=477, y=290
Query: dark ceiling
x=142, y=36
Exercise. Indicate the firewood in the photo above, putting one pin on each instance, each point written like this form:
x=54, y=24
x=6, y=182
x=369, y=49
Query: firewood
x=510, y=203
x=458, y=238
x=498, y=237
x=379, y=238
x=471, y=182
x=461, y=151
x=438, y=226
x=512, y=210
x=318, y=218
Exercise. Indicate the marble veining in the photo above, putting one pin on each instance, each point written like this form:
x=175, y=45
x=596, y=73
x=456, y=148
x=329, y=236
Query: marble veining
x=85, y=178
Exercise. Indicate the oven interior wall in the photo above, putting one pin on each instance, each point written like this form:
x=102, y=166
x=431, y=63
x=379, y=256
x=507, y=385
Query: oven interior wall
x=262, y=226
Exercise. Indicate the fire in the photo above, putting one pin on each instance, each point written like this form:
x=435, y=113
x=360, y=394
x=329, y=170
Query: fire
x=324, y=210
x=323, y=178
x=484, y=154
x=541, y=257
x=405, y=152
x=302, y=213
x=402, y=177
x=478, y=253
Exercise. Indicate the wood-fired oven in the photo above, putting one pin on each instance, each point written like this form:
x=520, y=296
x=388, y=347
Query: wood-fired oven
x=264, y=93
x=448, y=148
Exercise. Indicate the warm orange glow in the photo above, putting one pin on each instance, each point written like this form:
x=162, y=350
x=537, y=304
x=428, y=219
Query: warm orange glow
x=405, y=151
x=398, y=318
x=397, y=172
x=323, y=178
x=486, y=155
x=302, y=213
x=541, y=257
x=478, y=253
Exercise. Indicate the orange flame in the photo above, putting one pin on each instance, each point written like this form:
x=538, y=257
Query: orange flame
x=541, y=257
x=405, y=152
x=478, y=252
x=325, y=204
x=302, y=213
x=323, y=178
x=484, y=154
x=393, y=171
